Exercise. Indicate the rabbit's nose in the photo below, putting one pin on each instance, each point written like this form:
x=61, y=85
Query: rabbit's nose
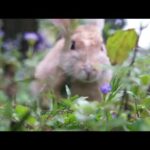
x=88, y=69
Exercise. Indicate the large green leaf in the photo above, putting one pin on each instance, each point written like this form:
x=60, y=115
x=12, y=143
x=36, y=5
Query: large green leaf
x=120, y=44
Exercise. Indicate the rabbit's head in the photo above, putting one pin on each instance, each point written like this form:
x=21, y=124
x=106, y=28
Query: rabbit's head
x=84, y=56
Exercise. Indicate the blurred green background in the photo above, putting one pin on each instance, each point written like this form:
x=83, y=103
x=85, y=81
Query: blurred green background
x=24, y=42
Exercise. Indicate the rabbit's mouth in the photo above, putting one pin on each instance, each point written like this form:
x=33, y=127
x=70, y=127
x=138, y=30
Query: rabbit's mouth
x=87, y=77
x=90, y=77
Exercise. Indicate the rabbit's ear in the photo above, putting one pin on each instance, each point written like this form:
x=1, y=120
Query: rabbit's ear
x=98, y=22
x=61, y=22
x=65, y=26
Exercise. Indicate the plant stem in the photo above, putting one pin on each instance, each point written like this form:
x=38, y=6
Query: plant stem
x=137, y=112
x=125, y=96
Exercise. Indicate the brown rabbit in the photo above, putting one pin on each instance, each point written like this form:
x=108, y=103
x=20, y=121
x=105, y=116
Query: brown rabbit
x=80, y=55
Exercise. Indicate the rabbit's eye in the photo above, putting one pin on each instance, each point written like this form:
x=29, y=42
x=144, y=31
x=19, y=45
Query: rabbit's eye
x=73, y=45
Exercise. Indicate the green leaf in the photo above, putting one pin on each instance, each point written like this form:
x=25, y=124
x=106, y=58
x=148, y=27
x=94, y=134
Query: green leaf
x=8, y=110
x=70, y=119
x=68, y=91
x=140, y=125
x=120, y=44
x=146, y=102
x=116, y=124
x=32, y=121
x=145, y=79
x=3, y=97
x=21, y=110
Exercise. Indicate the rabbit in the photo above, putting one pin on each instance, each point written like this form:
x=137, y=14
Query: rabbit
x=80, y=55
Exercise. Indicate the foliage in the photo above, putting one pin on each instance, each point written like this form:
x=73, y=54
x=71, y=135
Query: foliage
x=112, y=25
x=19, y=110
x=120, y=44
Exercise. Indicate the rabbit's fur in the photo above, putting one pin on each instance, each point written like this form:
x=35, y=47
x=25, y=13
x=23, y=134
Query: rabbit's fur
x=84, y=59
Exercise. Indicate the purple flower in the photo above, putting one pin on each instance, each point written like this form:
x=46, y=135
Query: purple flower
x=42, y=46
x=105, y=88
x=10, y=44
x=114, y=115
x=30, y=36
x=118, y=21
x=42, y=43
x=40, y=38
x=1, y=33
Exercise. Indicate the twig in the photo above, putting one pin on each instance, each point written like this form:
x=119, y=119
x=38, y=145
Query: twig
x=136, y=108
x=125, y=97
x=135, y=51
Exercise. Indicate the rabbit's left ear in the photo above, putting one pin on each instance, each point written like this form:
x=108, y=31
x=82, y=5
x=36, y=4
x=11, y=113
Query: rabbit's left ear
x=98, y=22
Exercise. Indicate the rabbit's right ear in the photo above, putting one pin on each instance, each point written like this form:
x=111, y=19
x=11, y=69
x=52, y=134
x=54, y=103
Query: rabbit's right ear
x=65, y=26
x=97, y=22
x=62, y=23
